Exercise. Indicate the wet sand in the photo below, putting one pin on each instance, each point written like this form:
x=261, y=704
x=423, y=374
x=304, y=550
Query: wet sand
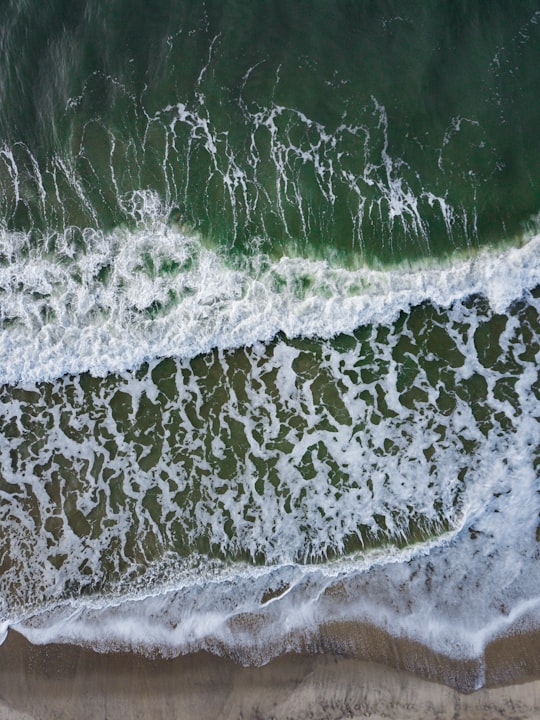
x=67, y=682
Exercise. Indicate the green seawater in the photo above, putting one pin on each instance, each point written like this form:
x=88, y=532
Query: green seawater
x=269, y=320
x=354, y=131
x=299, y=451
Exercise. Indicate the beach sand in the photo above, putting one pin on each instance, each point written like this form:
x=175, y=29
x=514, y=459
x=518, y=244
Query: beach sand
x=67, y=682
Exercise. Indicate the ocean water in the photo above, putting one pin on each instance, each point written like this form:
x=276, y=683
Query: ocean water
x=269, y=323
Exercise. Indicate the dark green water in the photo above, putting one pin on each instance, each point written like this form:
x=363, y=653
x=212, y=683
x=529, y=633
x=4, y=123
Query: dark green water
x=269, y=322
x=380, y=131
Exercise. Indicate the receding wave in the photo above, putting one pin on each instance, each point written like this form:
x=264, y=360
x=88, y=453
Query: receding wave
x=199, y=502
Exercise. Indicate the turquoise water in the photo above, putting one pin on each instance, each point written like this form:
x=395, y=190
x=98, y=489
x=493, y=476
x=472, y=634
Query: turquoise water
x=269, y=322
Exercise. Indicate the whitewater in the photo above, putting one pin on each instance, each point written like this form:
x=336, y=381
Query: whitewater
x=132, y=296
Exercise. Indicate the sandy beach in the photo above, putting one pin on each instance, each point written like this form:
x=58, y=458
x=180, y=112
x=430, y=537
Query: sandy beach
x=65, y=681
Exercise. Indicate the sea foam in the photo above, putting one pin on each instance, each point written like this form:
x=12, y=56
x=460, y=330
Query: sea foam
x=131, y=296
x=467, y=462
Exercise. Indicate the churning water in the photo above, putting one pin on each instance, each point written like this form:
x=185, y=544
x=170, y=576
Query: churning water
x=269, y=322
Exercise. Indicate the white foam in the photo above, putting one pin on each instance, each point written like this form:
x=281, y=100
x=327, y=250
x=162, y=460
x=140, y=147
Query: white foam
x=227, y=615
x=454, y=593
x=60, y=317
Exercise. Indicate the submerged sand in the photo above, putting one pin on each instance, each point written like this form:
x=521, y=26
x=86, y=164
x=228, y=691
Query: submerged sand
x=70, y=682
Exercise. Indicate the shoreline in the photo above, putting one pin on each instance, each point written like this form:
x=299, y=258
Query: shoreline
x=68, y=681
